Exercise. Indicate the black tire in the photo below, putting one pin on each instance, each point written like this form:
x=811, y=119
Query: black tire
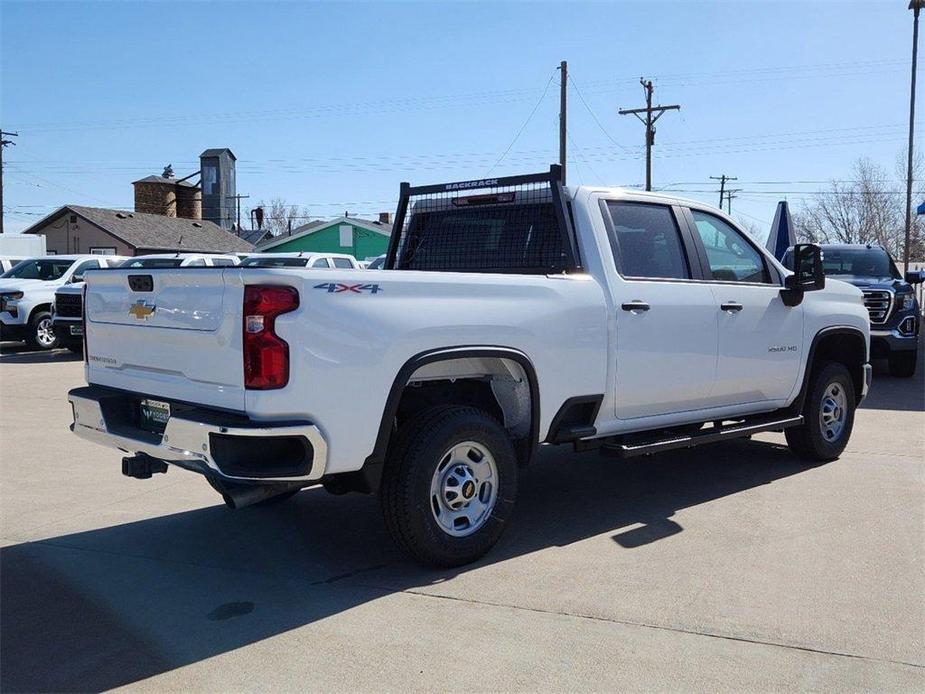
x=902, y=364
x=41, y=335
x=412, y=462
x=808, y=441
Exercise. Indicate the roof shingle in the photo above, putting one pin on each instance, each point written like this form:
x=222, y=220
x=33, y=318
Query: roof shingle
x=157, y=232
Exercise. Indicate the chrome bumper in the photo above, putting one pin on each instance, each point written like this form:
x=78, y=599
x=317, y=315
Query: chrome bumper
x=186, y=442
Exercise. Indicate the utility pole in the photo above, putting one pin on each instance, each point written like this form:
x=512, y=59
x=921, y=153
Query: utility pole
x=563, y=108
x=649, y=122
x=730, y=196
x=238, y=198
x=3, y=143
x=722, y=186
x=915, y=6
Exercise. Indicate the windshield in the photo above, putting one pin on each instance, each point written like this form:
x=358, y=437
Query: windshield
x=152, y=262
x=39, y=269
x=274, y=262
x=854, y=262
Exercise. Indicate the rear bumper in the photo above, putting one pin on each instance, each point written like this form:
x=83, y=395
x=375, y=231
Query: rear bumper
x=203, y=440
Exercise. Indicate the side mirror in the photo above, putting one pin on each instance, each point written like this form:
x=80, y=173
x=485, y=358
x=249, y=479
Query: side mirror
x=915, y=276
x=76, y=278
x=808, y=275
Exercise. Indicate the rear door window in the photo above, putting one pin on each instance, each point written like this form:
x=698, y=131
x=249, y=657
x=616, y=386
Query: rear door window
x=646, y=241
x=343, y=263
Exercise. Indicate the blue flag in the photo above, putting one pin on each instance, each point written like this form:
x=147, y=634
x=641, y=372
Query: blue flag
x=783, y=235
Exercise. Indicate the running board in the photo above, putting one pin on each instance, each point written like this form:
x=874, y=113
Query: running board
x=711, y=434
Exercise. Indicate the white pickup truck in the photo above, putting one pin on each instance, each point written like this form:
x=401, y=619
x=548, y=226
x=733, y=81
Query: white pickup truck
x=511, y=313
x=27, y=292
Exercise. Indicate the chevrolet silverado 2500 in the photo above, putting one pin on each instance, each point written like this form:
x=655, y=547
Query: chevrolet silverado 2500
x=511, y=313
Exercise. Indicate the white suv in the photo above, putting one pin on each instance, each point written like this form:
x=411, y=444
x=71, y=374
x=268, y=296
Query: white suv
x=27, y=292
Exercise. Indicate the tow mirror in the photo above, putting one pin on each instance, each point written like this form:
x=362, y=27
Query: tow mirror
x=808, y=274
x=915, y=276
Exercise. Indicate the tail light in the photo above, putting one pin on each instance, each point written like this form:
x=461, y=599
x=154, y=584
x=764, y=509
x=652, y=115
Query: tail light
x=266, y=354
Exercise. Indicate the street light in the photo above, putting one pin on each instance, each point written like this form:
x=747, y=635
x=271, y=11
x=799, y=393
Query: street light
x=915, y=6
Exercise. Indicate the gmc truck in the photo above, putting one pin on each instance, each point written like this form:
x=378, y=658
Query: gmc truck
x=888, y=295
x=511, y=313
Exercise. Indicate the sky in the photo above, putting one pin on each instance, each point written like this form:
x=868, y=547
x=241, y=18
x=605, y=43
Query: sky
x=331, y=105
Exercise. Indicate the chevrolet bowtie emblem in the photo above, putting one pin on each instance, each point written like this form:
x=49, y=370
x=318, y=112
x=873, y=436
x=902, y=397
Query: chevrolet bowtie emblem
x=141, y=310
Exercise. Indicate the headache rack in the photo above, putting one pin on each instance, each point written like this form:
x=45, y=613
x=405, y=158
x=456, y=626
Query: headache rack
x=512, y=224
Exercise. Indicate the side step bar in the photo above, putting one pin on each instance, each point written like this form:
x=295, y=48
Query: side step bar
x=718, y=432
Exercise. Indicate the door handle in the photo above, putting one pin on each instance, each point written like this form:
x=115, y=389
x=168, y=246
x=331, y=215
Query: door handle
x=635, y=306
x=732, y=306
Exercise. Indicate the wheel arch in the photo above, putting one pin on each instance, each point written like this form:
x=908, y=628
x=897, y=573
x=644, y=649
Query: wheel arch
x=372, y=466
x=844, y=344
x=39, y=308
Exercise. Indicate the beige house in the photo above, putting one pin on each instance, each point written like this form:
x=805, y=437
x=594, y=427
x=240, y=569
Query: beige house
x=77, y=229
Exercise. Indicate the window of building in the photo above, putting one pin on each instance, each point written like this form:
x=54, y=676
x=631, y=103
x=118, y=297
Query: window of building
x=102, y=250
x=346, y=236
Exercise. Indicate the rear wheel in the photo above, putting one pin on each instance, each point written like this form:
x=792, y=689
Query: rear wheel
x=902, y=364
x=449, y=485
x=828, y=415
x=41, y=331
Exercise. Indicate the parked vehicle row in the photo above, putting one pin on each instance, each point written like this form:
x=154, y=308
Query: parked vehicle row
x=41, y=299
x=511, y=313
x=27, y=291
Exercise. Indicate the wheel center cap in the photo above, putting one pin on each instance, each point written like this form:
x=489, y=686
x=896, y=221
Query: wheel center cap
x=468, y=490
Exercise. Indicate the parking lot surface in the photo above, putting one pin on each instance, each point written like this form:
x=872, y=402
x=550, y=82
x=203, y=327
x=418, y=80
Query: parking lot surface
x=731, y=567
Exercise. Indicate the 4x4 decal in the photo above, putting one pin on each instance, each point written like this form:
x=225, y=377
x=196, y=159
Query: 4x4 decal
x=338, y=287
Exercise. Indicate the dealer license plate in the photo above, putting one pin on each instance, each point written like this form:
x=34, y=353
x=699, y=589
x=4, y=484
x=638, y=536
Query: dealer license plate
x=154, y=415
x=77, y=330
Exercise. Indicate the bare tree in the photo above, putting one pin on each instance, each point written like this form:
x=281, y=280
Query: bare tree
x=755, y=230
x=279, y=216
x=867, y=208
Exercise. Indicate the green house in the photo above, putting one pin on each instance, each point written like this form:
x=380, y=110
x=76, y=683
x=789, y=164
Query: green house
x=361, y=238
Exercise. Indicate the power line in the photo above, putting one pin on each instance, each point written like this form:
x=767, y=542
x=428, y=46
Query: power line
x=594, y=116
x=526, y=122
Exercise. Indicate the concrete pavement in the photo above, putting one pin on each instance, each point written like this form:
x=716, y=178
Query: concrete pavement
x=730, y=567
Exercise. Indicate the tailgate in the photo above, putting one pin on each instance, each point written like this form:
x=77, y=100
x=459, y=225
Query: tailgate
x=169, y=333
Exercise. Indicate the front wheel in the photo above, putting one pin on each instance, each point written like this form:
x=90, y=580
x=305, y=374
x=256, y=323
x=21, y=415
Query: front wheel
x=41, y=331
x=902, y=364
x=828, y=415
x=449, y=485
